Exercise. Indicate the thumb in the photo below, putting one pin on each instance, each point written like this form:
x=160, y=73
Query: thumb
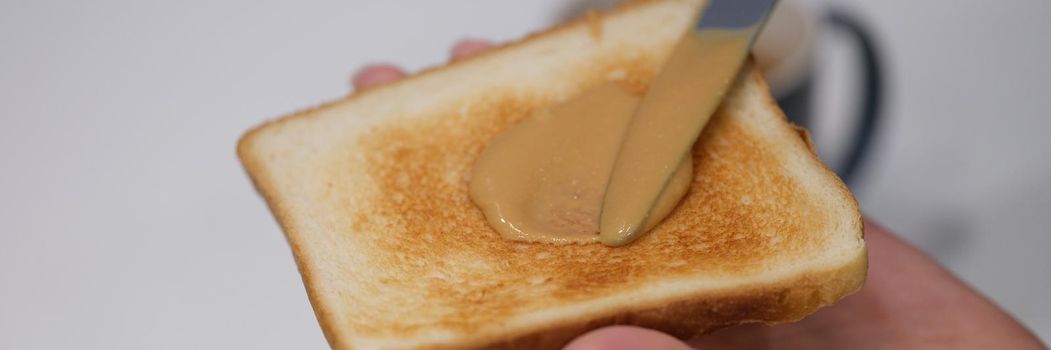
x=626, y=338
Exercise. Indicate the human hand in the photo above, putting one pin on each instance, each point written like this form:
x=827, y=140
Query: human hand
x=908, y=301
x=378, y=74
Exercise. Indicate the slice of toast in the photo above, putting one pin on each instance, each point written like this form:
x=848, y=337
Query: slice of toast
x=371, y=191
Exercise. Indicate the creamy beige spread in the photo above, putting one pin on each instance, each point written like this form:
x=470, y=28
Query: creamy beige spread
x=544, y=179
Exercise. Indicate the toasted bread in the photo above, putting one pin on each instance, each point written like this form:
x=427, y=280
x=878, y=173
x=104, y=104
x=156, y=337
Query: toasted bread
x=371, y=191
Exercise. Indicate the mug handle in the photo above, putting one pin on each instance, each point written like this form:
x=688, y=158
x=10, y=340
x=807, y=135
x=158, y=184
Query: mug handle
x=871, y=91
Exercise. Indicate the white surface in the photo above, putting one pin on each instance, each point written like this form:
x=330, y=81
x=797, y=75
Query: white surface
x=129, y=224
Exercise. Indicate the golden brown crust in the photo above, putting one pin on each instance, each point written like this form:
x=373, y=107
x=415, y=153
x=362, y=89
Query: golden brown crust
x=804, y=135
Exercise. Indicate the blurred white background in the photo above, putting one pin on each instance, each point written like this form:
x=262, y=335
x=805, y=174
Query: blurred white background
x=126, y=221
